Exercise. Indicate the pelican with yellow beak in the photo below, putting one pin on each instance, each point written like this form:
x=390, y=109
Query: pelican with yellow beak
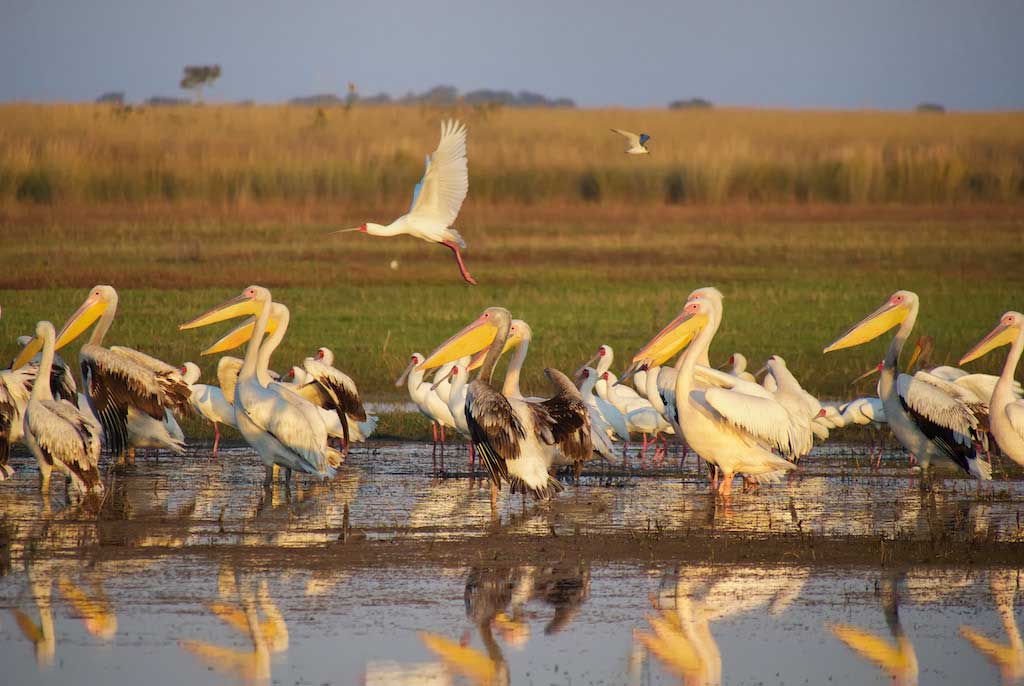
x=517, y=439
x=1006, y=411
x=724, y=426
x=930, y=423
x=284, y=428
x=129, y=392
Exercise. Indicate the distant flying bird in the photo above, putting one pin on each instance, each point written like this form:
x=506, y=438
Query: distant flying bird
x=437, y=198
x=636, y=143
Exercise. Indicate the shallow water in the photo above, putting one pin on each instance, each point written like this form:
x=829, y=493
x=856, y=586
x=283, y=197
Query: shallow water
x=190, y=573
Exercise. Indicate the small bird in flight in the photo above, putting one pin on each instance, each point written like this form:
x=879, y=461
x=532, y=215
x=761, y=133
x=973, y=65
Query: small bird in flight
x=436, y=199
x=636, y=143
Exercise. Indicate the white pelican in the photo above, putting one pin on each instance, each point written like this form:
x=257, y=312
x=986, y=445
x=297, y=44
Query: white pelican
x=210, y=401
x=928, y=422
x=803, y=407
x=636, y=143
x=129, y=392
x=284, y=428
x=1006, y=412
x=59, y=436
x=332, y=389
x=437, y=198
x=427, y=400
x=15, y=386
x=725, y=427
x=517, y=439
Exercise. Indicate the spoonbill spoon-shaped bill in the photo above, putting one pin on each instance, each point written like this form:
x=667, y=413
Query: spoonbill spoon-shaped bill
x=436, y=199
x=637, y=142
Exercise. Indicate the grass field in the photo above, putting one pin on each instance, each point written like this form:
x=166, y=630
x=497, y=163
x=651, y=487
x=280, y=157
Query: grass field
x=239, y=156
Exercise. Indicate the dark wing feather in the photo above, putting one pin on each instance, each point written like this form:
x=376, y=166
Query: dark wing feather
x=339, y=388
x=65, y=435
x=111, y=411
x=958, y=447
x=568, y=418
x=493, y=427
x=7, y=413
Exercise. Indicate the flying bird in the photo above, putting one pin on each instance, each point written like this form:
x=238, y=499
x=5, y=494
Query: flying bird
x=436, y=199
x=636, y=142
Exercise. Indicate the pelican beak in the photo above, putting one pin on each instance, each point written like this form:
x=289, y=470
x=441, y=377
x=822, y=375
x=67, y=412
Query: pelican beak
x=1001, y=335
x=444, y=378
x=871, y=327
x=588, y=363
x=238, y=336
x=916, y=354
x=239, y=306
x=82, y=319
x=470, y=340
x=874, y=370
x=670, y=340
x=760, y=372
x=27, y=353
x=476, y=361
x=405, y=374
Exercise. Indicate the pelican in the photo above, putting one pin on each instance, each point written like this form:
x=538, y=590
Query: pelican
x=802, y=407
x=129, y=392
x=637, y=143
x=15, y=387
x=210, y=401
x=59, y=436
x=332, y=389
x=1006, y=412
x=284, y=428
x=517, y=439
x=437, y=198
x=726, y=427
x=928, y=422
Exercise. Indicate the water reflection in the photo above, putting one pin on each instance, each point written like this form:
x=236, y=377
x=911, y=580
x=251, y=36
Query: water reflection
x=40, y=634
x=896, y=657
x=1007, y=657
x=244, y=605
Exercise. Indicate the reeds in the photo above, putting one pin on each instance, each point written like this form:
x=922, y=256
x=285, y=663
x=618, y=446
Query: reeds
x=239, y=155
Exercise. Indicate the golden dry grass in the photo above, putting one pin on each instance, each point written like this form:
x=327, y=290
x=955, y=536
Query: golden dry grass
x=242, y=155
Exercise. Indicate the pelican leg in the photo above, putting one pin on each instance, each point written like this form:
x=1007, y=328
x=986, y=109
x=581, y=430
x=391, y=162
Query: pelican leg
x=726, y=487
x=131, y=456
x=713, y=469
x=268, y=479
x=433, y=452
x=442, y=448
x=494, y=498
x=288, y=476
x=216, y=438
x=454, y=247
x=472, y=458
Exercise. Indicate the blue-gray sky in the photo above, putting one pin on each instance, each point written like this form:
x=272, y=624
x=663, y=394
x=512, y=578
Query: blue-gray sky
x=768, y=53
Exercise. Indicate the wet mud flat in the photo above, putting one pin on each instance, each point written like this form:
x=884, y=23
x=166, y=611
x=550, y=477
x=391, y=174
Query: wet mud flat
x=189, y=572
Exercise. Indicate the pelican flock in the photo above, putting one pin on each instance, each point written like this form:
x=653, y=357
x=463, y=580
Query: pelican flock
x=307, y=422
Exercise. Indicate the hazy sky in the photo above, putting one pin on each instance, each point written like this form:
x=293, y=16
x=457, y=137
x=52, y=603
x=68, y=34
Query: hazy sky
x=966, y=54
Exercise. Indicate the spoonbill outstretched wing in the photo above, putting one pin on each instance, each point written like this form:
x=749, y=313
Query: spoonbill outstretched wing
x=437, y=198
x=637, y=142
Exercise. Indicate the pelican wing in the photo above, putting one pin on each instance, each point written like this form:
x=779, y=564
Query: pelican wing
x=114, y=382
x=176, y=391
x=763, y=419
x=227, y=376
x=494, y=428
x=68, y=437
x=632, y=138
x=714, y=377
x=62, y=381
x=948, y=422
x=446, y=180
x=565, y=418
x=296, y=424
x=338, y=387
x=984, y=385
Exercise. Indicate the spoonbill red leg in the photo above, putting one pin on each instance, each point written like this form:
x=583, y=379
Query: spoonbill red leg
x=216, y=438
x=454, y=247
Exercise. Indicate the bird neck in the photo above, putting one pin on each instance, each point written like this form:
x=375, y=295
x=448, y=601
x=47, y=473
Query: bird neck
x=41, y=386
x=252, y=351
x=510, y=389
x=393, y=229
x=696, y=351
x=270, y=345
x=497, y=346
x=101, y=328
x=1005, y=383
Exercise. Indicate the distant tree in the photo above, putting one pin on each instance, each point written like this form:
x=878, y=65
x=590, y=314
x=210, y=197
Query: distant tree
x=111, y=98
x=198, y=76
x=690, y=104
x=930, y=107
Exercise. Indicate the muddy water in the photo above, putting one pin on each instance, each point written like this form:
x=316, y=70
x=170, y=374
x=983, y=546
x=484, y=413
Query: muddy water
x=188, y=572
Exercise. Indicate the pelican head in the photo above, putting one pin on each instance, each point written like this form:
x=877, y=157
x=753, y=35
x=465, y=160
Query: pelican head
x=100, y=299
x=476, y=336
x=279, y=315
x=895, y=310
x=709, y=292
x=519, y=332
x=679, y=332
x=414, y=360
x=1007, y=330
x=250, y=302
